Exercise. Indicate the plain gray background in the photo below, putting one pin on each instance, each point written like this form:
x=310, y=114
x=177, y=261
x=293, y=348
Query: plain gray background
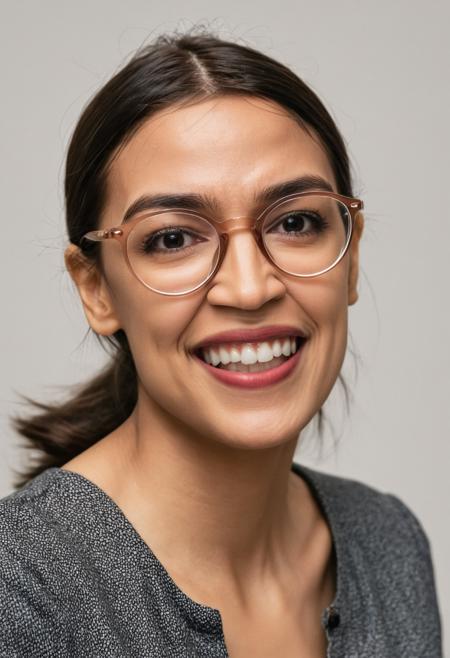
x=382, y=69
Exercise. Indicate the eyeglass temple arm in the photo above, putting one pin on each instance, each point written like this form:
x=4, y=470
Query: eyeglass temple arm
x=98, y=236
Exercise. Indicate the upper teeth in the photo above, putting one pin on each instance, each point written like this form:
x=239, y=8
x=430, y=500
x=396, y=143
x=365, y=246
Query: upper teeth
x=249, y=353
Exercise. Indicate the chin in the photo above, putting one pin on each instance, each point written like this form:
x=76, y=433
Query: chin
x=259, y=432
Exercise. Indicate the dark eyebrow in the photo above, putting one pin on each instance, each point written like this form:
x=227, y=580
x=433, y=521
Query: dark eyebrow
x=301, y=184
x=202, y=202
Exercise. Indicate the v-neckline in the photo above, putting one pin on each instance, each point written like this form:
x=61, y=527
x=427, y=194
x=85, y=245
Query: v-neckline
x=201, y=614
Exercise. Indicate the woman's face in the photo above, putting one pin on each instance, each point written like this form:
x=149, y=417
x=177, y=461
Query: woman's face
x=229, y=149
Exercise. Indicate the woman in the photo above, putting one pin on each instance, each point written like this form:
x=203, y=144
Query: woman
x=214, y=243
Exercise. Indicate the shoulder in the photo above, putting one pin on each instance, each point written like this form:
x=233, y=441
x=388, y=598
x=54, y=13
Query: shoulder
x=367, y=514
x=41, y=528
x=384, y=557
x=29, y=624
x=25, y=515
x=30, y=531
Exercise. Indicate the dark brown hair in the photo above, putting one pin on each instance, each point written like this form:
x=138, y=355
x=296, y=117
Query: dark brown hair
x=174, y=69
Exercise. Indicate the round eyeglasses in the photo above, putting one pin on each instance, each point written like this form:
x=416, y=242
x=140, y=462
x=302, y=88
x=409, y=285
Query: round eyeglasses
x=176, y=251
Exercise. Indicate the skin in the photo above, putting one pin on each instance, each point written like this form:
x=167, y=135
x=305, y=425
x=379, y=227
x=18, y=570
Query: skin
x=201, y=470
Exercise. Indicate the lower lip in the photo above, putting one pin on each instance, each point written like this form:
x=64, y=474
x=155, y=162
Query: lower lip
x=254, y=379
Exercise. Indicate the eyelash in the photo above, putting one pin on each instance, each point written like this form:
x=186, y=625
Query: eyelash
x=319, y=222
x=149, y=241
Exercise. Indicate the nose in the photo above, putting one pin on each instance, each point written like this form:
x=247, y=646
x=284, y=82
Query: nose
x=246, y=279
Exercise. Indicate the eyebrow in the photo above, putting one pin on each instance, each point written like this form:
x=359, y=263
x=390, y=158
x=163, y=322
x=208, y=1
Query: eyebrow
x=202, y=202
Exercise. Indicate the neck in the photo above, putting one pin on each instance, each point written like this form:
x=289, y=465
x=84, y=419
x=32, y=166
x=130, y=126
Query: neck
x=217, y=517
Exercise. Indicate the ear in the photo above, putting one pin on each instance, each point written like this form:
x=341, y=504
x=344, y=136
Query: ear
x=354, y=259
x=93, y=290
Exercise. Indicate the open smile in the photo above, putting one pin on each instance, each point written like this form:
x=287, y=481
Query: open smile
x=252, y=365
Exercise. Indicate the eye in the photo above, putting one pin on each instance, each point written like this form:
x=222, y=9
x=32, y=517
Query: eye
x=170, y=239
x=298, y=223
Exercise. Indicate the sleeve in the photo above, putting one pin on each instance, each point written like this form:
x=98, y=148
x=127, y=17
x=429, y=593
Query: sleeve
x=29, y=625
x=417, y=554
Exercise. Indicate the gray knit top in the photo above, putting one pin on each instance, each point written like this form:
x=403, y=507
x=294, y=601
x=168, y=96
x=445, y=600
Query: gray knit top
x=76, y=579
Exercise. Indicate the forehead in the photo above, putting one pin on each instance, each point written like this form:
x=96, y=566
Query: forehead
x=227, y=147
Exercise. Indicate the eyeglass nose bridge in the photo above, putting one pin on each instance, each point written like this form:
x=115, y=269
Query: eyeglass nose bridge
x=244, y=223
x=238, y=222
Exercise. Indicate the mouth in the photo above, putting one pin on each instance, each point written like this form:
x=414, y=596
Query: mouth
x=251, y=356
x=271, y=361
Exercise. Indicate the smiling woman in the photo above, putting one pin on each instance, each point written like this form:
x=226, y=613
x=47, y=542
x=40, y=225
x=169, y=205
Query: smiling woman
x=214, y=242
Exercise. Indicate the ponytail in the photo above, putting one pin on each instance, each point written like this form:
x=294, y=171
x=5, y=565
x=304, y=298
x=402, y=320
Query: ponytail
x=60, y=431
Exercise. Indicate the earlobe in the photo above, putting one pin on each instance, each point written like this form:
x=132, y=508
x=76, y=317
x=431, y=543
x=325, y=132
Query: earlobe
x=94, y=294
x=354, y=259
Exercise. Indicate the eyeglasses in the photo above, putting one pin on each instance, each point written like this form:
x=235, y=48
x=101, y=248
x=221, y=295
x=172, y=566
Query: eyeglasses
x=176, y=251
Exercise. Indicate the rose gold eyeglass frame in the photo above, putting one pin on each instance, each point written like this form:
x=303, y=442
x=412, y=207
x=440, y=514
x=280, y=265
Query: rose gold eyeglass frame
x=224, y=229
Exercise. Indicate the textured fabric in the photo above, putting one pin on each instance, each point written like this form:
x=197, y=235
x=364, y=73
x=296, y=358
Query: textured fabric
x=76, y=579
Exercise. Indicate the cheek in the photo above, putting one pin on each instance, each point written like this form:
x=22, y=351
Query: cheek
x=325, y=298
x=154, y=324
x=324, y=302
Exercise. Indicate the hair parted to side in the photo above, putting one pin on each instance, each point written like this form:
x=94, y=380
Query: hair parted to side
x=174, y=69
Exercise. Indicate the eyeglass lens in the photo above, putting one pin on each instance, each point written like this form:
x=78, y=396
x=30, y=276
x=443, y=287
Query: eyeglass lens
x=175, y=252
